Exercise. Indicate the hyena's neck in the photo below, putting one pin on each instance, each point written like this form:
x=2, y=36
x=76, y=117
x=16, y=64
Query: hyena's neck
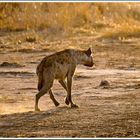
x=77, y=56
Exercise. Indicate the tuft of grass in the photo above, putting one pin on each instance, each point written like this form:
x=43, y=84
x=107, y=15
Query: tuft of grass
x=122, y=32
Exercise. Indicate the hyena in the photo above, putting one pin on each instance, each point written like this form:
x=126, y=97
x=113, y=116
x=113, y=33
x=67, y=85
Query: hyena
x=60, y=66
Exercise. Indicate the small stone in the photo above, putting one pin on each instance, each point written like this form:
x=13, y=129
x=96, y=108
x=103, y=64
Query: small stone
x=104, y=83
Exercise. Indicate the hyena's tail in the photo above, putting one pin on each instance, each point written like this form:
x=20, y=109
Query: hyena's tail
x=39, y=72
x=40, y=81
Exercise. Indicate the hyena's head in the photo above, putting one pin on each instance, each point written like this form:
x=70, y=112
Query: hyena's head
x=86, y=58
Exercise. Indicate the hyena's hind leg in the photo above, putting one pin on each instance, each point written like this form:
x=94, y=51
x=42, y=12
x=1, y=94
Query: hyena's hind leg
x=47, y=84
x=63, y=84
x=43, y=90
x=53, y=99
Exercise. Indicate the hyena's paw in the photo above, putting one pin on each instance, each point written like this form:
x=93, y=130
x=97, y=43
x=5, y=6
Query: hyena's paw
x=37, y=109
x=74, y=106
x=66, y=101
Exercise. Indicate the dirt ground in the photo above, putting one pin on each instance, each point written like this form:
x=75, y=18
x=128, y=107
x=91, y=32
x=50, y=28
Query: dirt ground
x=105, y=110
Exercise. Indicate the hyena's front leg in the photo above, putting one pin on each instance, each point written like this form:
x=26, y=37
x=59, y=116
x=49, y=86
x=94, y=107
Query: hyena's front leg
x=53, y=99
x=69, y=84
x=63, y=83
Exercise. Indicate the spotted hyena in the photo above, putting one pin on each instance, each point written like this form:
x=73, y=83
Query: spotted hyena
x=60, y=66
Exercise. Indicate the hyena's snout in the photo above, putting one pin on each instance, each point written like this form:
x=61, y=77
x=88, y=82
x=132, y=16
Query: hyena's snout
x=89, y=63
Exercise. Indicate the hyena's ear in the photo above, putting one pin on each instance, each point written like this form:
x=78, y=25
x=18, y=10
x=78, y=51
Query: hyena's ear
x=88, y=52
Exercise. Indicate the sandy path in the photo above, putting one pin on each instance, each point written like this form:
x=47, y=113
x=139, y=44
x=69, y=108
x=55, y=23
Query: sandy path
x=104, y=111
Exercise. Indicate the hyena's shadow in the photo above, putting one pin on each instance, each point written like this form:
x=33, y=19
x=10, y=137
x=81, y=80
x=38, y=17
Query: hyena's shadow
x=55, y=111
x=59, y=110
x=32, y=116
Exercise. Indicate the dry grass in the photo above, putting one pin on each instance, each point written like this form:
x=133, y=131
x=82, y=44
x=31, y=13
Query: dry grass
x=122, y=18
